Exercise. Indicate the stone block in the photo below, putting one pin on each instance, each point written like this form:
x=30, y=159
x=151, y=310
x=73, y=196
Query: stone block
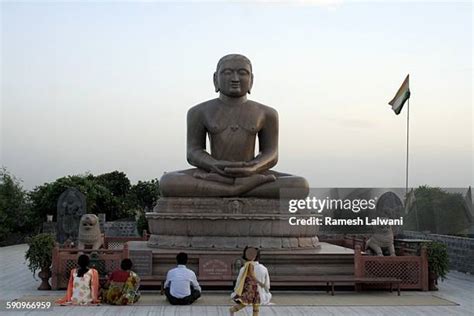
x=270, y=243
x=226, y=223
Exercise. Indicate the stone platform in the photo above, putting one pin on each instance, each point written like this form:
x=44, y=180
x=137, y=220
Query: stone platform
x=228, y=224
x=214, y=232
x=220, y=267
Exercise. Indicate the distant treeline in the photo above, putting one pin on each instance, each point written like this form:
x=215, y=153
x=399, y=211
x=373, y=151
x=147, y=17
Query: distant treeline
x=22, y=213
x=440, y=212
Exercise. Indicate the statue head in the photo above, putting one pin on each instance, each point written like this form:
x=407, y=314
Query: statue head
x=233, y=76
x=89, y=222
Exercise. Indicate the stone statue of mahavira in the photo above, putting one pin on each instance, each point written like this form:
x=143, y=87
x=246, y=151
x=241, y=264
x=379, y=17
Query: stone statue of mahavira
x=232, y=123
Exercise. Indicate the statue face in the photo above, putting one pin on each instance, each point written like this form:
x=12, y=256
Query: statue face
x=234, y=78
x=88, y=221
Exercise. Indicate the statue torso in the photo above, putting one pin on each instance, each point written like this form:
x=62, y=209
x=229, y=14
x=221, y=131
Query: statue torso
x=233, y=130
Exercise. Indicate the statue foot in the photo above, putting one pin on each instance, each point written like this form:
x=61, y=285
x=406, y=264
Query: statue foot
x=213, y=177
x=245, y=184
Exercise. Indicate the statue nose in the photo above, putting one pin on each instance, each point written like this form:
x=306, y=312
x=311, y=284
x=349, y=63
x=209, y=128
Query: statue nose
x=235, y=77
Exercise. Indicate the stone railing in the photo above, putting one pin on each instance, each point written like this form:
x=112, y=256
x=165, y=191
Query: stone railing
x=65, y=259
x=120, y=229
x=412, y=270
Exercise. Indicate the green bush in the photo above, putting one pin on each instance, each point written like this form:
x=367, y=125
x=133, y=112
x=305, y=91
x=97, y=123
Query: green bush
x=40, y=252
x=438, y=259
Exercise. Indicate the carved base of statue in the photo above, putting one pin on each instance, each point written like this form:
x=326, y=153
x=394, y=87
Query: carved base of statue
x=214, y=231
x=214, y=267
x=227, y=223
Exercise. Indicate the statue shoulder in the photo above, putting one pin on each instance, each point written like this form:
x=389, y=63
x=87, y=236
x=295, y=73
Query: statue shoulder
x=198, y=111
x=202, y=107
x=267, y=110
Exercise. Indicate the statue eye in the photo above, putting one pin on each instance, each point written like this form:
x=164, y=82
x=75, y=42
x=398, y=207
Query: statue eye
x=227, y=72
x=243, y=72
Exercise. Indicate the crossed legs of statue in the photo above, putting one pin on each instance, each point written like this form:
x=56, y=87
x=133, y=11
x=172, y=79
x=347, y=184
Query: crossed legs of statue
x=199, y=183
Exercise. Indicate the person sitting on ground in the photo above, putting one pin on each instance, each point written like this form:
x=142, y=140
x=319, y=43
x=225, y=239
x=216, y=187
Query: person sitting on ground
x=83, y=286
x=181, y=286
x=253, y=283
x=122, y=285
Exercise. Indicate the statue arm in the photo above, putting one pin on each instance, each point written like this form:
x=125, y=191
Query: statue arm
x=196, y=142
x=268, y=143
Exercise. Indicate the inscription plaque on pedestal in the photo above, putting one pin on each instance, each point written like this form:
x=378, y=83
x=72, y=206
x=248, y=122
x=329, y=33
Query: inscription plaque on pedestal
x=142, y=262
x=215, y=268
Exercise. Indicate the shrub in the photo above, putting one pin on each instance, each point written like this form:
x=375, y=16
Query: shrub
x=40, y=252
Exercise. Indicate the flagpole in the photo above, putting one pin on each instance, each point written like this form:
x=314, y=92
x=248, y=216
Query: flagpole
x=406, y=173
x=408, y=139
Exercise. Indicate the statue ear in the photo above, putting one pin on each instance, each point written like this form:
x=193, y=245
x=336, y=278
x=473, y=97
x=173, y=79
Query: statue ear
x=251, y=83
x=216, y=85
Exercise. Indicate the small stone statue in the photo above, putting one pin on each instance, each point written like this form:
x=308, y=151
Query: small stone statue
x=233, y=124
x=391, y=206
x=89, y=232
x=70, y=207
x=382, y=238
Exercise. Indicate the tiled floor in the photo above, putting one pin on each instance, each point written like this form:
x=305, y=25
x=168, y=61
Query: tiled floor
x=17, y=281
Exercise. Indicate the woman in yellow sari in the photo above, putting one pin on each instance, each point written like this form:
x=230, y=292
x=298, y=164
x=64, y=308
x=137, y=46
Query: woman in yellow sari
x=122, y=286
x=253, y=284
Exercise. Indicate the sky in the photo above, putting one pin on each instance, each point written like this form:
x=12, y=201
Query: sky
x=103, y=86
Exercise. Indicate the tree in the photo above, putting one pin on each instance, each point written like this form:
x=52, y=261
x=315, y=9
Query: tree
x=15, y=214
x=144, y=194
x=23, y=213
x=438, y=211
x=143, y=197
x=116, y=182
x=99, y=198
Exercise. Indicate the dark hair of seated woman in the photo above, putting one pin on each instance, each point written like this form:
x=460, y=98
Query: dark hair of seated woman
x=122, y=274
x=83, y=262
x=126, y=264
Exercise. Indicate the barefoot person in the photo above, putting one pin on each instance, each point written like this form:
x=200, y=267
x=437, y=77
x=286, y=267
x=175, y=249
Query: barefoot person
x=122, y=285
x=181, y=285
x=83, y=286
x=253, y=283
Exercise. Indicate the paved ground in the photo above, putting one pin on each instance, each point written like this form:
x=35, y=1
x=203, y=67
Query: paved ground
x=17, y=281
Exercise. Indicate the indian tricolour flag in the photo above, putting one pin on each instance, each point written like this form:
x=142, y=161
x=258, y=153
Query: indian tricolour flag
x=403, y=94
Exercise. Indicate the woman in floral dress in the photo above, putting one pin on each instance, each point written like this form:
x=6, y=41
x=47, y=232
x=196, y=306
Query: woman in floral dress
x=83, y=286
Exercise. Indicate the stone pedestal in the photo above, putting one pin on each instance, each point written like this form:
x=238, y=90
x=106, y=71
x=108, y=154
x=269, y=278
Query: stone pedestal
x=228, y=223
x=221, y=267
x=214, y=231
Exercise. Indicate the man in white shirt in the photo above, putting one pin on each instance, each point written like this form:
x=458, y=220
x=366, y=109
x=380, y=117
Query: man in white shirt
x=181, y=286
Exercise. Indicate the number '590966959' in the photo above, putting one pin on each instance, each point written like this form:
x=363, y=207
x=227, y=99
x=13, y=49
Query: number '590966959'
x=28, y=305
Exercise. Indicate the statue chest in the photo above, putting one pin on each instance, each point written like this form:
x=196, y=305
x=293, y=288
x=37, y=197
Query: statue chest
x=238, y=123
